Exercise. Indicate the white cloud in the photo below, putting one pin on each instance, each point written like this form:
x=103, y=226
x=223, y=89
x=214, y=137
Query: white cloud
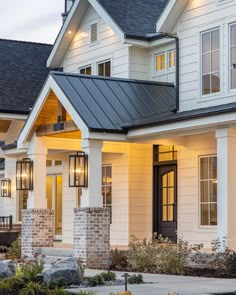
x=31, y=20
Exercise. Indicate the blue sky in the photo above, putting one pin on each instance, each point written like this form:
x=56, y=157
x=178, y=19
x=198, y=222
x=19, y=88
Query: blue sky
x=31, y=20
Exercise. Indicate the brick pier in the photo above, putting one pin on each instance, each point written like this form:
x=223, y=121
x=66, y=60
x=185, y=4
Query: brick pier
x=37, y=230
x=92, y=236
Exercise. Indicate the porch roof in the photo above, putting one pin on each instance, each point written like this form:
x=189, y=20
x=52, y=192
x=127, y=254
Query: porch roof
x=108, y=104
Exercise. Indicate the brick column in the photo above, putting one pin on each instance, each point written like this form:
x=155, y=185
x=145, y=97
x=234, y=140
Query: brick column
x=92, y=236
x=37, y=230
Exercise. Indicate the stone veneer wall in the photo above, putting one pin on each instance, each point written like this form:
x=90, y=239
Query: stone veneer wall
x=92, y=236
x=37, y=230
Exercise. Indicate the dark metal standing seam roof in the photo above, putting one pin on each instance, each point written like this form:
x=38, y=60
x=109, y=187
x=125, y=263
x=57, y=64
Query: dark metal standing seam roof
x=107, y=104
x=22, y=74
x=135, y=17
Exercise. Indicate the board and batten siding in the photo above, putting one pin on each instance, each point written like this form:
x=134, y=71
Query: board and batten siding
x=82, y=53
x=198, y=17
x=188, y=189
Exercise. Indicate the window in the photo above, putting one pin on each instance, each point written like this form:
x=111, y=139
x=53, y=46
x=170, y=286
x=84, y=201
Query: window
x=22, y=203
x=86, y=70
x=164, y=153
x=160, y=62
x=171, y=59
x=208, y=190
x=94, y=33
x=233, y=56
x=104, y=69
x=211, y=62
x=107, y=187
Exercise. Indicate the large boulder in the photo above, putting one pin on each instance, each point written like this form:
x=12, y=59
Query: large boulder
x=7, y=269
x=70, y=270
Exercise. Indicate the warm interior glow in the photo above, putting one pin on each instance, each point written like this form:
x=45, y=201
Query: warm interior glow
x=69, y=32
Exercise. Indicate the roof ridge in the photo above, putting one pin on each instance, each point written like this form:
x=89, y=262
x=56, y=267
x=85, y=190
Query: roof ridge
x=24, y=41
x=114, y=79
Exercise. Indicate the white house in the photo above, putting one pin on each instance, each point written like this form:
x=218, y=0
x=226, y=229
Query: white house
x=157, y=125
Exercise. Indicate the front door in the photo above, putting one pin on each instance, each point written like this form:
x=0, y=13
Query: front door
x=54, y=201
x=165, y=201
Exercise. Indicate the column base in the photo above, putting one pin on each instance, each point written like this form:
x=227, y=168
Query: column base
x=92, y=236
x=37, y=230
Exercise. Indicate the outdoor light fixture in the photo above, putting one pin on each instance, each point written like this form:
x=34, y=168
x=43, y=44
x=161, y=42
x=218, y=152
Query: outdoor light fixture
x=126, y=276
x=78, y=170
x=24, y=174
x=6, y=188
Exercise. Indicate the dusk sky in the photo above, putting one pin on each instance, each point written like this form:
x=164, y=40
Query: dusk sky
x=31, y=20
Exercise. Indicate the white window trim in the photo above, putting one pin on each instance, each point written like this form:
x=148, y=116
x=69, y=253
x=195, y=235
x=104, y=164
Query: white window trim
x=155, y=65
x=230, y=90
x=168, y=67
x=85, y=67
x=210, y=95
x=213, y=227
x=102, y=62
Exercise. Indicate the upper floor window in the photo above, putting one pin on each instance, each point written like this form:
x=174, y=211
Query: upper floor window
x=104, y=69
x=210, y=53
x=233, y=56
x=160, y=60
x=171, y=59
x=86, y=70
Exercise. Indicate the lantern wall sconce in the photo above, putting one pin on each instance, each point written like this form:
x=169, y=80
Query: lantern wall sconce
x=24, y=174
x=78, y=170
x=6, y=188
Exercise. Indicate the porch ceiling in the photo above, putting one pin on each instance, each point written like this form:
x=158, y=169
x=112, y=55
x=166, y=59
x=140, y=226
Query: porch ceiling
x=4, y=125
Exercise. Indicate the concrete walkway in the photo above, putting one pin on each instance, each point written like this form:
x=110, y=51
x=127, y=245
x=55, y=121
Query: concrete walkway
x=162, y=284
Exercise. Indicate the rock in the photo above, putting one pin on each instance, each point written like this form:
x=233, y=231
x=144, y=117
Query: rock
x=7, y=269
x=69, y=269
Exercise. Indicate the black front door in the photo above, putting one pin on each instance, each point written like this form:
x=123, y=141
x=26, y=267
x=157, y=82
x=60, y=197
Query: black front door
x=165, y=201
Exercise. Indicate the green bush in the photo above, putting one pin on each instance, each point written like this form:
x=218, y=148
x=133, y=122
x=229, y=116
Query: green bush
x=135, y=279
x=108, y=276
x=119, y=260
x=57, y=283
x=33, y=289
x=14, y=252
x=57, y=291
x=28, y=269
x=11, y=284
x=86, y=293
x=96, y=280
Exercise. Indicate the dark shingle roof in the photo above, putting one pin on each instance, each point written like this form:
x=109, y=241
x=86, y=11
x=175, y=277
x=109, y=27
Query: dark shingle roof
x=22, y=74
x=135, y=17
x=106, y=104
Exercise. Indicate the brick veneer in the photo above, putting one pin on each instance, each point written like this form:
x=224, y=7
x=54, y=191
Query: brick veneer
x=92, y=236
x=37, y=230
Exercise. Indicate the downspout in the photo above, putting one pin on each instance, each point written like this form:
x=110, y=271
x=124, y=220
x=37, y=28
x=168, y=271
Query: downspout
x=176, y=38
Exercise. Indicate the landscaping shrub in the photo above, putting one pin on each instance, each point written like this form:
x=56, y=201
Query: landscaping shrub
x=86, y=293
x=11, y=284
x=60, y=291
x=119, y=260
x=135, y=279
x=28, y=269
x=14, y=252
x=108, y=276
x=57, y=284
x=33, y=289
x=96, y=280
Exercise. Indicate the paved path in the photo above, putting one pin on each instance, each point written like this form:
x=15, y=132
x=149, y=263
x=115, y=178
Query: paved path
x=162, y=284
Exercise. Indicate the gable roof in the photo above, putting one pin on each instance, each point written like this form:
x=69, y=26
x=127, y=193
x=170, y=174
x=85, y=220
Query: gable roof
x=135, y=17
x=22, y=74
x=107, y=104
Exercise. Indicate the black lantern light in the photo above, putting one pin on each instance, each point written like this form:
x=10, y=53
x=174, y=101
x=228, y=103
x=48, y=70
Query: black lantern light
x=6, y=188
x=78, y=170
x=24, y=174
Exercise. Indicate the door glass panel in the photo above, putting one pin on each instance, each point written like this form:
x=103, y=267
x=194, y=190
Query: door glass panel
x=23, y=197
x=168, y=196
x=49, y=191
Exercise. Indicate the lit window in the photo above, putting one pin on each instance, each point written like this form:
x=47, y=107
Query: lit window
x=208, y=190
x=211, y=62
x=107, y=187
x=104, y=69
x=160, y=62
x=86, y=70
x=164, y=153
x=233, y=56
x=171, y=59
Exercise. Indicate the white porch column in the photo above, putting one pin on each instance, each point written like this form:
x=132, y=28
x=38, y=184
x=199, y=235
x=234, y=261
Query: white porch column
x=226, y=173
x=92, y=195
x=38, y=152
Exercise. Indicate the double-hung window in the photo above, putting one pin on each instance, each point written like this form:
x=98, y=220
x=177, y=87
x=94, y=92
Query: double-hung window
x=233, y=56
x=160, y=62
x=86, y=70
x=104, y=68
x=208, y=190
x=210, y=54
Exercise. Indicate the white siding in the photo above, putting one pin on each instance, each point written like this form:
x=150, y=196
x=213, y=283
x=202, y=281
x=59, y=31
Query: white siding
x=200, y=16
x=82, y=53
x=188, y=189
x=139, y=63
